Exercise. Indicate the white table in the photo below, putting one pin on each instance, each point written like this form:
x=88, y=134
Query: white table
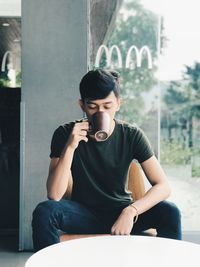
x=118, y=251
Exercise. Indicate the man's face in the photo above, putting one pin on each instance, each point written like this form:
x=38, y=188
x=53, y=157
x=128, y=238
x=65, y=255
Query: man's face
x=110, y=104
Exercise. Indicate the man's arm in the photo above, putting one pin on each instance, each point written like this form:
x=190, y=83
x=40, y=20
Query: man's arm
x=60, y=168
x=159, y=191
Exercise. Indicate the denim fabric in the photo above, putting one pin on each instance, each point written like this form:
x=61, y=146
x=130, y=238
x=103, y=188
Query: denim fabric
x=50, y=217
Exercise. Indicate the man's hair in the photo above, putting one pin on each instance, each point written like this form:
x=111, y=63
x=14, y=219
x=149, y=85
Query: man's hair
x=98, y=84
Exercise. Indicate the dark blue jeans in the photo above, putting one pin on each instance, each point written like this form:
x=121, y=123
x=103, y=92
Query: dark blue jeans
x=50, y=217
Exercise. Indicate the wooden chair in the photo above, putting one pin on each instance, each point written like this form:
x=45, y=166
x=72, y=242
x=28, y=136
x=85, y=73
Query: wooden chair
x=136, y=186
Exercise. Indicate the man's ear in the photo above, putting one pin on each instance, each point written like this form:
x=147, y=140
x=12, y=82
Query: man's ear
x=81, y=104
x=118, y=103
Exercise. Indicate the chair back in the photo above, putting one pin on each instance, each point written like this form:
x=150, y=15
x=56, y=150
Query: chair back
x=136, y=181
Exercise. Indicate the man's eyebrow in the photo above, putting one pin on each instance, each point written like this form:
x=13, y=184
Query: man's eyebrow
x=108, y=102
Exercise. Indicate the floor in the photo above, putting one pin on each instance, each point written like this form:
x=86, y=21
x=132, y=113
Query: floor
x=10, y=257
x=185, y=194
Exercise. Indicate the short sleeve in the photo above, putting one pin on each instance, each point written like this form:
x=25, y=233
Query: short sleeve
x=59, y=140
x=142, y=147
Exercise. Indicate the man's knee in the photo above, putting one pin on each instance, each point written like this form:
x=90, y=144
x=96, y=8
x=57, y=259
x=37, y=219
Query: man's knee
x=169, y=223
x=170, y=212
x=171, y=209
x=44, y=210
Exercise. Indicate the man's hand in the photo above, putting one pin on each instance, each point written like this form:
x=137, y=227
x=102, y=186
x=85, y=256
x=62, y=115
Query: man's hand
x=79, y=133
x=124, y=223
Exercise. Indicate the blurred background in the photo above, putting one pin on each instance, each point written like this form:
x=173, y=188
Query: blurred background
x=163, y=98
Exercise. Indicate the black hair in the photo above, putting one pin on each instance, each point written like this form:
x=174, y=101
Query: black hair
x=98, y=84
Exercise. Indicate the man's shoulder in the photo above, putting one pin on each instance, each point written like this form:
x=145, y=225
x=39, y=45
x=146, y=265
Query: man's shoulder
x=67, y=127
x=127, y=126
x=64, y=128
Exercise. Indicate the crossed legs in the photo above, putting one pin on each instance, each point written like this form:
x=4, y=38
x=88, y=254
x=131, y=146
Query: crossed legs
x=50, y=217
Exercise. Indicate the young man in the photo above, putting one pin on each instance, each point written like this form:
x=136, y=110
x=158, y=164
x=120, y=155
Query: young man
x=100, y=202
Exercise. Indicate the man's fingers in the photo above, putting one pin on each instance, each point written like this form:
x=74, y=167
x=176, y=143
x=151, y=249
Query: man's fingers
x=85, y=139
x=82, y=125
x=117, y=232
x=113, y=231
x=83, y=133
x=80, y=128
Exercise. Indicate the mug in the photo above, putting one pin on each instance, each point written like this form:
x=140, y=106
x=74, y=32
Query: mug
x=100, y=125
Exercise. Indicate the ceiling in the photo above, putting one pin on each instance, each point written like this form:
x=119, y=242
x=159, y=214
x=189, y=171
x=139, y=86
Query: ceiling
x=10, y=37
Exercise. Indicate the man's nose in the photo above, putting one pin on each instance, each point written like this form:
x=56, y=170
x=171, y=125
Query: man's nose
x=101, y=108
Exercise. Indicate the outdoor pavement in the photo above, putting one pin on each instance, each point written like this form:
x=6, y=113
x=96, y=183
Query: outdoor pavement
x=186, y=195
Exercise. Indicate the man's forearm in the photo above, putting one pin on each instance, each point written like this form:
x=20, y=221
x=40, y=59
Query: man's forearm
x=153, y=196
x=60, y=172
x=60, y=175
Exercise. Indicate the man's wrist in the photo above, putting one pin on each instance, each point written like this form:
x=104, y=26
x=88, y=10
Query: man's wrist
x=133, y=211
x=129, y=210
x=136, y=212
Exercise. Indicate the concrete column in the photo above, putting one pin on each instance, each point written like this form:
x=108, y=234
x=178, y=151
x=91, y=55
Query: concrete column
x=54, y=58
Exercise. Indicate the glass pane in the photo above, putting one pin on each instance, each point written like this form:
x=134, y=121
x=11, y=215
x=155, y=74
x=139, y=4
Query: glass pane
x=160, y=86
x=179, y=74
x=10, y=52
x=131, y=48
x=10, y=96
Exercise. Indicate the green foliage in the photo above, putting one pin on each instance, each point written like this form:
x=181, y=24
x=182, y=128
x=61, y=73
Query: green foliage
x=138, y=28
x=180, y=116
x=175, y=94
x=193, y=75
x=129, y=110
x=174, y=153
x=196, y=163
x=196, y=172
x=18, y=79
x=5, y=82
x=182, y=103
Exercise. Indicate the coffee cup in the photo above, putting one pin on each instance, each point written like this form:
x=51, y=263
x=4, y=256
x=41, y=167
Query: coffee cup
x=100, y=125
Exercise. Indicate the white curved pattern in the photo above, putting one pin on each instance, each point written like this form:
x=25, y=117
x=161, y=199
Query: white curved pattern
x=139, y=53
x=5, y=57
x=118, y=251
x=108, y=52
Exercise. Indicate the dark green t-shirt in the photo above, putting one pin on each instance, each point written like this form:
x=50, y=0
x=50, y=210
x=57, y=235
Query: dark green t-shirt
x=99, y=169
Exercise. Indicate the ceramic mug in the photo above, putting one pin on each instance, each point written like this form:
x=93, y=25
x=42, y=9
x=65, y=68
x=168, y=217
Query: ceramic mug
x=100, y=125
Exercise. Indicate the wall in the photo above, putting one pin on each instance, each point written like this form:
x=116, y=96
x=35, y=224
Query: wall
x=54, y=58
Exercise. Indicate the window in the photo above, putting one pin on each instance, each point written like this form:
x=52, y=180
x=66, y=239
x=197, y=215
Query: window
x=157, y=54
x=10, y=96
